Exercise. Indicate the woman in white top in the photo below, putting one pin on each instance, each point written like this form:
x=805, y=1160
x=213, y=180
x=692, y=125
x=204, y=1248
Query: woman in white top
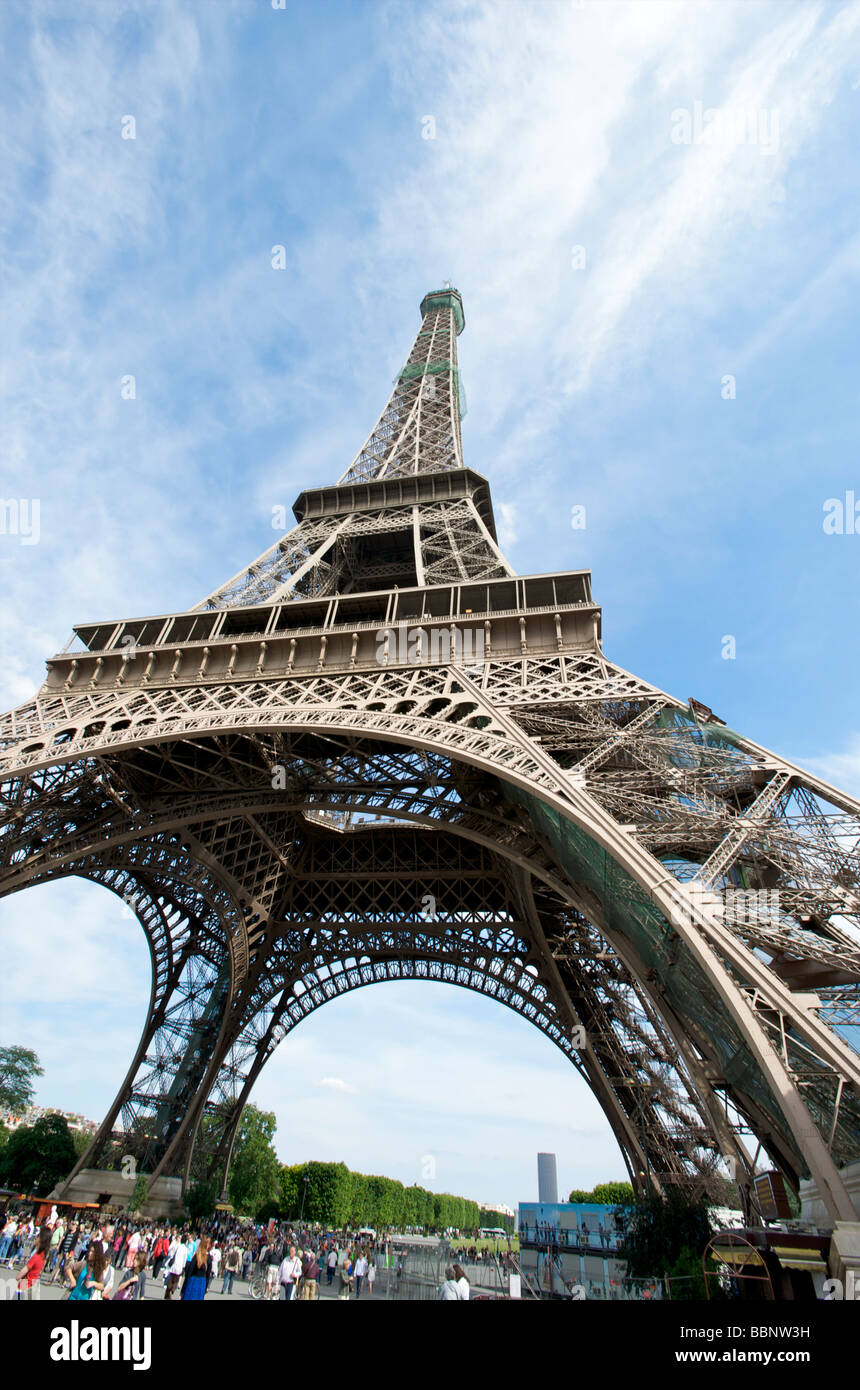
x=462, y=1282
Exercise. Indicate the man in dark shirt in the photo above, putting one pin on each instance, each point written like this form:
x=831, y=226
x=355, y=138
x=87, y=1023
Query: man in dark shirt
x=67, y=1250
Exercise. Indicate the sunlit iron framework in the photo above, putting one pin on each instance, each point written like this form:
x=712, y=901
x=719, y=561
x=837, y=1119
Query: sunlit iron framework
x=378, y=754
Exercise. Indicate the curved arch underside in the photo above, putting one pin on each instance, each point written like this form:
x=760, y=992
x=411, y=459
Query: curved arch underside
x=530, y=853
x=298, y=800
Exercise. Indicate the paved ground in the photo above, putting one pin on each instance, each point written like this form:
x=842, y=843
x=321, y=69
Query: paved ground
x=155, y=1290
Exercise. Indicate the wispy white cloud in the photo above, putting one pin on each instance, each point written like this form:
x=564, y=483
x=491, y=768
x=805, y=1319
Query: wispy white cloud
x=335, y=1083
x=442, y=1074
x=556, y=132
x=151, y=257
x=840, y=769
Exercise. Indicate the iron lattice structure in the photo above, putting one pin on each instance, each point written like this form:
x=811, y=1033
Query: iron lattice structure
x=378, y=754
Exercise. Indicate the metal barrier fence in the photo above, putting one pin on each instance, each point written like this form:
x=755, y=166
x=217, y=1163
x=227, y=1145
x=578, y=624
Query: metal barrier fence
x=417, y=1272
x=414, y=1273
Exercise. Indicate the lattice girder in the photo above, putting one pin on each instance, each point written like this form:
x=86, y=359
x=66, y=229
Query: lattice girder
x=205, y=763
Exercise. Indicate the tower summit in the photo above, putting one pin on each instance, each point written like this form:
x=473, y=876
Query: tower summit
x=376, y=754
x=406, y=513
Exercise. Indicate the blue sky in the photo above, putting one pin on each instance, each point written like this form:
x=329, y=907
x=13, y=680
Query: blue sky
x=599, y=384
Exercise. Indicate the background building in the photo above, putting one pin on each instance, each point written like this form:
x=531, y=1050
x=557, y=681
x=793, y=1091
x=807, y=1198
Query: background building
x=547, y=1178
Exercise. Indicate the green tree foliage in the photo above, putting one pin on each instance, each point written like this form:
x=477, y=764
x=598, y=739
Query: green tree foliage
x=255, y=1171
x=610, y=1194
x=19, y=1067
x=418, y=1207
x=495, y=1218
x=37, y=1157
x=687, y=1280
x=323, y=1193
x=200, y=1199
x=289, y=1190
x=329, y=1193
x=359, y=1201
x=660, y=1229
x=4, y=1134
x=139, y=1193
x=614, y=1194
x=81, y=1141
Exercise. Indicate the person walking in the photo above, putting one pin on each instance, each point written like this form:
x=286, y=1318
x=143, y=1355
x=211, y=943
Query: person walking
x=331, y=1264
x=290, y=1273
x=232, y=1267
x=345, y=1277
x=57, y=1233
x=359, y=1271
x=78, y=1272
x=448, y=1291
x=132, y=1248
x=176, y=1267
x=198, y=1272
x=32, y=1271
x=371, y=1276
x=6, y=1237
x=159, y=1253
x=105, y=1280
x=66, y=1252
x=133, y=1284
x=310, y=1276
x=20, y=1241
x=91, y=1276
x=216, y=1260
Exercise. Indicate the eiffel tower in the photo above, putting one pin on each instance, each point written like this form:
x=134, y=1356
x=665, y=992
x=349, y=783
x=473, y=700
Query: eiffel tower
x=377, y=754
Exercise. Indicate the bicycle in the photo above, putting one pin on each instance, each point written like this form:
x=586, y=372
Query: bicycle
x=259, y=1287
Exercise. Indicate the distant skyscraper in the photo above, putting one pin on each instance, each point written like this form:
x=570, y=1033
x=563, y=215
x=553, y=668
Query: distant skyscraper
x=547, y=1178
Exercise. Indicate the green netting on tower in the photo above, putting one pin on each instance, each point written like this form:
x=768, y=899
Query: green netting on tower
x=445, y=299
x=628, y=911
x=434, y=369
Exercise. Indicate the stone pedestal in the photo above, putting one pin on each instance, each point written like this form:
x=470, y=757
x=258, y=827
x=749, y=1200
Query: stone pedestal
x=164, y=1196
x=812, y=1207
x=845, y=1258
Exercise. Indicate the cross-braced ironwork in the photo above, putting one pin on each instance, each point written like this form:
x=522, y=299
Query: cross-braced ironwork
x=377, y=754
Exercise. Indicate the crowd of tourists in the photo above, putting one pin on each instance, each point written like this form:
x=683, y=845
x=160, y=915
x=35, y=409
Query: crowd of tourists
x=96, y=1260
x=472, y=1254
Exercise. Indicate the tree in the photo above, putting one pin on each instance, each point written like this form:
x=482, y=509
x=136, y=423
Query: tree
x=255, y=1171
x=289, y=1195
x=323, y=1192
x=38, y=1156
x=661, y=1229
x=139, y=1193
x=4, y=1134
x=358, y=1200
x=686, y=1280
x=486, y=1217
x=330, y=1194
x=19, y=1067
x=200, y=1199
x=609, y=1194
x=81, y=1140
x=614, y=1194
